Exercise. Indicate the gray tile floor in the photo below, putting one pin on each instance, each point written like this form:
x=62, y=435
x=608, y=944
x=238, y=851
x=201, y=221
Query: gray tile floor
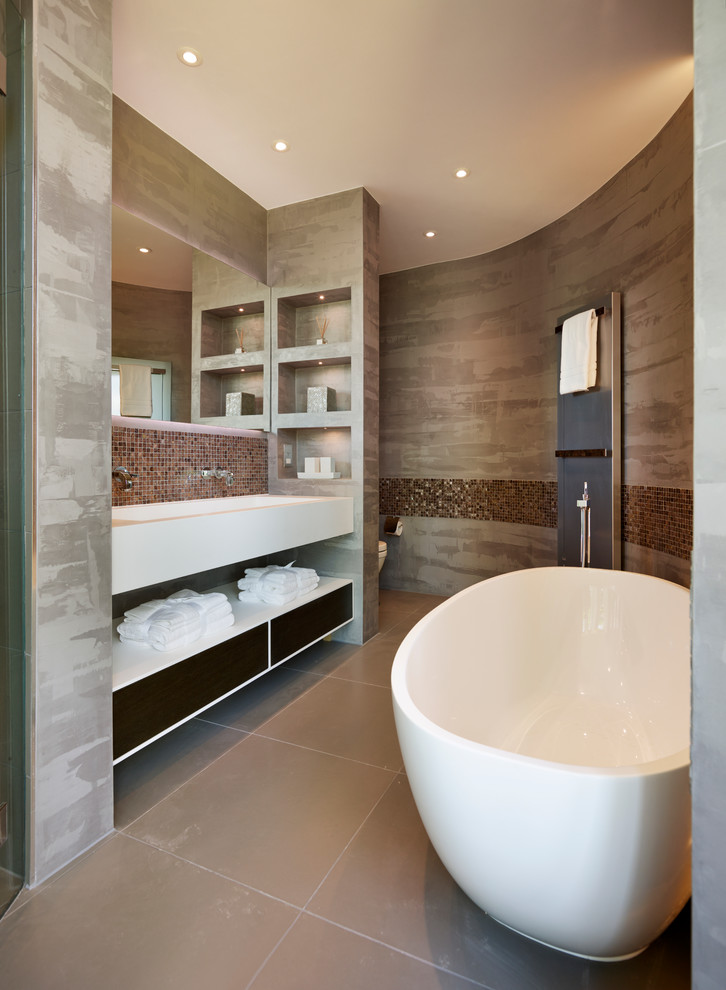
x=273, y=844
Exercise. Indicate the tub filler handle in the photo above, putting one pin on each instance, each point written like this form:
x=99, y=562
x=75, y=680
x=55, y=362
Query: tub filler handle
x=583, y=505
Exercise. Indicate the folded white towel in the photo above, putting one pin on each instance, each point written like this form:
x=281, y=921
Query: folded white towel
x=276, y=585
x=280, y=578
x=142, y=613
x=161, y=638
x=178, y=621
x=269, y=597
x=578, y=361
x=206, y=602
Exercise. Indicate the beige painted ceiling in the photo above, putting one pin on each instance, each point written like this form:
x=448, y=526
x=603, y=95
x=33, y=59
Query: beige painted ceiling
x=543, y=100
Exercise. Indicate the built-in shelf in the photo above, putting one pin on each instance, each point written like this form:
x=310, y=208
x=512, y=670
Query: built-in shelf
x=296, y=377
x=319, y=421
x=308, y=436
x=249, y=360
x=215, y=386
x=154, y=692
x=228, y=327
x=230, y=346
x=302, y=317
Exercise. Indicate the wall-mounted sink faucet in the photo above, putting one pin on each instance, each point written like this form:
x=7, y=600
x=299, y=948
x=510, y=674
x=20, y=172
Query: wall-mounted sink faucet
x=219, y=473
x=123, y=478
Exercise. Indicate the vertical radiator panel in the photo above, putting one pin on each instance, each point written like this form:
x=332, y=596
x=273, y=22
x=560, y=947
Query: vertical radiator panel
x=589, y=448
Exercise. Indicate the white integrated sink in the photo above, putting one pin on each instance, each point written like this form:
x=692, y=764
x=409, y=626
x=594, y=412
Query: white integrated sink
x=164, y=540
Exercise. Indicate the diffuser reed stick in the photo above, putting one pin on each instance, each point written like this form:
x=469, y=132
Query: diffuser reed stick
x=322, y=326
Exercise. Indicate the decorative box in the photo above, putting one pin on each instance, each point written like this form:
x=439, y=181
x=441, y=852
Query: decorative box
x=321, y=399
x=239, y=404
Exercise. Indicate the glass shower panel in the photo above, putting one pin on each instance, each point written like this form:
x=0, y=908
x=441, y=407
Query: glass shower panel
x=12, y=645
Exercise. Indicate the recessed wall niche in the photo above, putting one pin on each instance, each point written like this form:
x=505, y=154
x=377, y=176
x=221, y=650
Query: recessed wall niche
x=227, y=328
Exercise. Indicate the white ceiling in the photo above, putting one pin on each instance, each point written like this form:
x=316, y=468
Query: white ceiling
x=543, y=100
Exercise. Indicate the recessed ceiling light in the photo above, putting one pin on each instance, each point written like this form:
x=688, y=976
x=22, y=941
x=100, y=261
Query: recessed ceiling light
x=241, y=309
x=189, y=56
x=144, y=250
x=281, y=146
x=461, y=173
x=430, y=233
x=321, y=297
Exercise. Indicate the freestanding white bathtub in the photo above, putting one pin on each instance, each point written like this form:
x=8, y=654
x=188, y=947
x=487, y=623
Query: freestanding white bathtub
x=544, y=720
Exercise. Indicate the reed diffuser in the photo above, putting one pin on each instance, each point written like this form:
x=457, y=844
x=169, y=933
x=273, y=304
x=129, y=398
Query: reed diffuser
x=239, y=349
x=322, y=327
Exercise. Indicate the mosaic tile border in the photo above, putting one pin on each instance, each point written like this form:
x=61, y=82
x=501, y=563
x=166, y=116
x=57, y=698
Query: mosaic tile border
x=658, y=518
x=532, y=503
x=168, y=464
x=652, y=517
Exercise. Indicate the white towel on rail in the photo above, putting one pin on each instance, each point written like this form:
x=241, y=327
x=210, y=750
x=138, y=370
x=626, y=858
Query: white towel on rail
x=578, y=361
x=135, y=389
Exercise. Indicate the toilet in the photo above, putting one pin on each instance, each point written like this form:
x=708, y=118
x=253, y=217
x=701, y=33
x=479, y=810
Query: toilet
x=382, y=551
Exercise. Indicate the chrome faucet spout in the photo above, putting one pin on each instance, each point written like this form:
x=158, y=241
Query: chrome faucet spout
x=123, y=478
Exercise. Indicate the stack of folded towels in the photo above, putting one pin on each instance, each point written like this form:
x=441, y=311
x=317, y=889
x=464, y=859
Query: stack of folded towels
x=276, y=585
x=180, y=619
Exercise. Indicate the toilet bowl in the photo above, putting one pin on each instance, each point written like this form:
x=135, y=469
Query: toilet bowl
x=382, y=551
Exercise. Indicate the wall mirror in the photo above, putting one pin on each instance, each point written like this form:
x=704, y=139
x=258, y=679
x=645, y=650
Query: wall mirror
x=200, y=326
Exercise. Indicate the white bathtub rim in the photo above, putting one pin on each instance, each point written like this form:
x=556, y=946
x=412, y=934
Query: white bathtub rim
x=402, y=698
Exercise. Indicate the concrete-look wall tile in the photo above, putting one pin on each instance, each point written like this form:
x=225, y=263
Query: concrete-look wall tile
x=708, y=749
x=469, y=354
x=320, y=244
x=161, y=181
x=643, y=560
x=444, y=556
x=71, y=780
x=322, y=236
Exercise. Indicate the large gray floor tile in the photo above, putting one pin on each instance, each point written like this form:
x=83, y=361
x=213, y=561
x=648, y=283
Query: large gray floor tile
x=391, y=886
x=371, y=663
x=134, y=918
x=253, y=705
x=144, y=779
x=322, y=658
x=318, y=956
x=268, y=814
x=407, y=601
x=345, y=718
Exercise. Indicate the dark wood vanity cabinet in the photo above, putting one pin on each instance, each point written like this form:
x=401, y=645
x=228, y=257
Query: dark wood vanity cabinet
x=293, y=631
x=153, y=704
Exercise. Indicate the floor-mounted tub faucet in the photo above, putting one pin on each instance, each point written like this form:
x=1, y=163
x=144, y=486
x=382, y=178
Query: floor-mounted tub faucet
x=583, y=505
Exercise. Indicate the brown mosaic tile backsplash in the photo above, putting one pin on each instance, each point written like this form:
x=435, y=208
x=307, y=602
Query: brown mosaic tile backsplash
x=529, y=502
x=659, y=518
x=168, y=463
x=656, y=518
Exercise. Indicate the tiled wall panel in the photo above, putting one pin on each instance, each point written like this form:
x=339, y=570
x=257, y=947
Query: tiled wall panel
x=329, y=243
x=168, y=464
x=469, y=354
x=708, y=750
x=71, y=785
x=159, y=180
